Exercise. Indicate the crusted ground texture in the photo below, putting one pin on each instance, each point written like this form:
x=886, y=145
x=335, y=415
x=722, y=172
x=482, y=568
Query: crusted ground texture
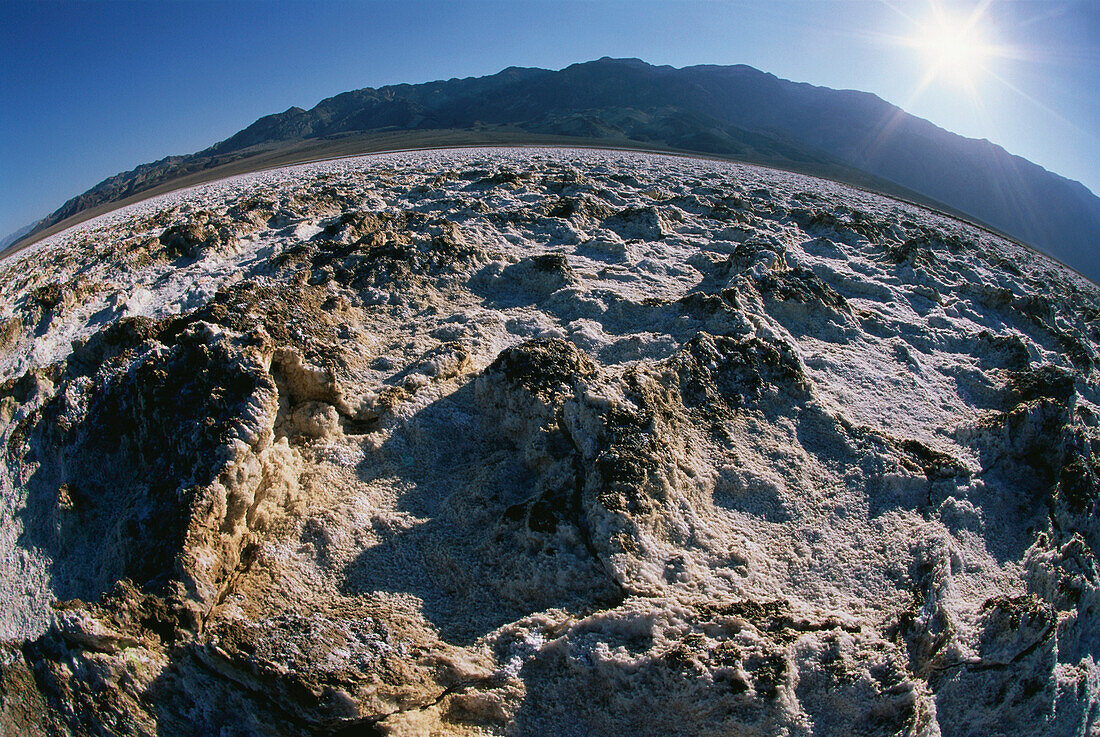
x=532, y=442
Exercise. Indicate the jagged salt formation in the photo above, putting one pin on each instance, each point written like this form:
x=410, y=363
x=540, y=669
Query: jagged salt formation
x=545, y=442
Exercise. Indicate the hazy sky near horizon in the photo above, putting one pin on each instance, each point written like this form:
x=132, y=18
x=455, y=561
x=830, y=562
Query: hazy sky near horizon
x=90, y=89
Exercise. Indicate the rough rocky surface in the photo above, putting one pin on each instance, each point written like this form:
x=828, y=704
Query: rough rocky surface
x=536, y=442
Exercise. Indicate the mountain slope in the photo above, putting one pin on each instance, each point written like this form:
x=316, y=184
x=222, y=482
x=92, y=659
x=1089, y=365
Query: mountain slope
x=17, y=235
x=725, y=110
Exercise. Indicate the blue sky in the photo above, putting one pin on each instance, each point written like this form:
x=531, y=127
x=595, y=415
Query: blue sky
x=89, y=89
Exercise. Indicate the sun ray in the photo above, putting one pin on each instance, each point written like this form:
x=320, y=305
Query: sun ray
x=925, y=82
x=1046, y=108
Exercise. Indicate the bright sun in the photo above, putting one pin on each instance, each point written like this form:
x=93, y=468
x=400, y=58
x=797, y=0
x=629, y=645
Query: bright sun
x=955, y=47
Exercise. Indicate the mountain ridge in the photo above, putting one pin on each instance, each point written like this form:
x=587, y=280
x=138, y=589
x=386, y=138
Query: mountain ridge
x=736, y=111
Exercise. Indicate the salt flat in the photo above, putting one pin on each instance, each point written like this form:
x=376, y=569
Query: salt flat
x=531, y=441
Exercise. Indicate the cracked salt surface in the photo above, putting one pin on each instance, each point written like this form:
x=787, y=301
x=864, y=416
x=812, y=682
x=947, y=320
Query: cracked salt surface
x=528, y=441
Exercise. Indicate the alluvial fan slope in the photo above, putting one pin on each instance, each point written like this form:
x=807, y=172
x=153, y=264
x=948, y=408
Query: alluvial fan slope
x=545, y=442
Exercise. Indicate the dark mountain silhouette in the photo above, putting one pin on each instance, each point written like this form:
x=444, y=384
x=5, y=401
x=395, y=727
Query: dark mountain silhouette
x=734, y=111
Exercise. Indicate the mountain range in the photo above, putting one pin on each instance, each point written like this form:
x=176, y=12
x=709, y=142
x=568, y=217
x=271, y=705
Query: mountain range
x=729, y=111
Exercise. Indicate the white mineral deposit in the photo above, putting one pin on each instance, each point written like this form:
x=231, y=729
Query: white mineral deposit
x=545, y=442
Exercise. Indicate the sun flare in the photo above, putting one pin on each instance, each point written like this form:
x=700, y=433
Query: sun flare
x=955, y=49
